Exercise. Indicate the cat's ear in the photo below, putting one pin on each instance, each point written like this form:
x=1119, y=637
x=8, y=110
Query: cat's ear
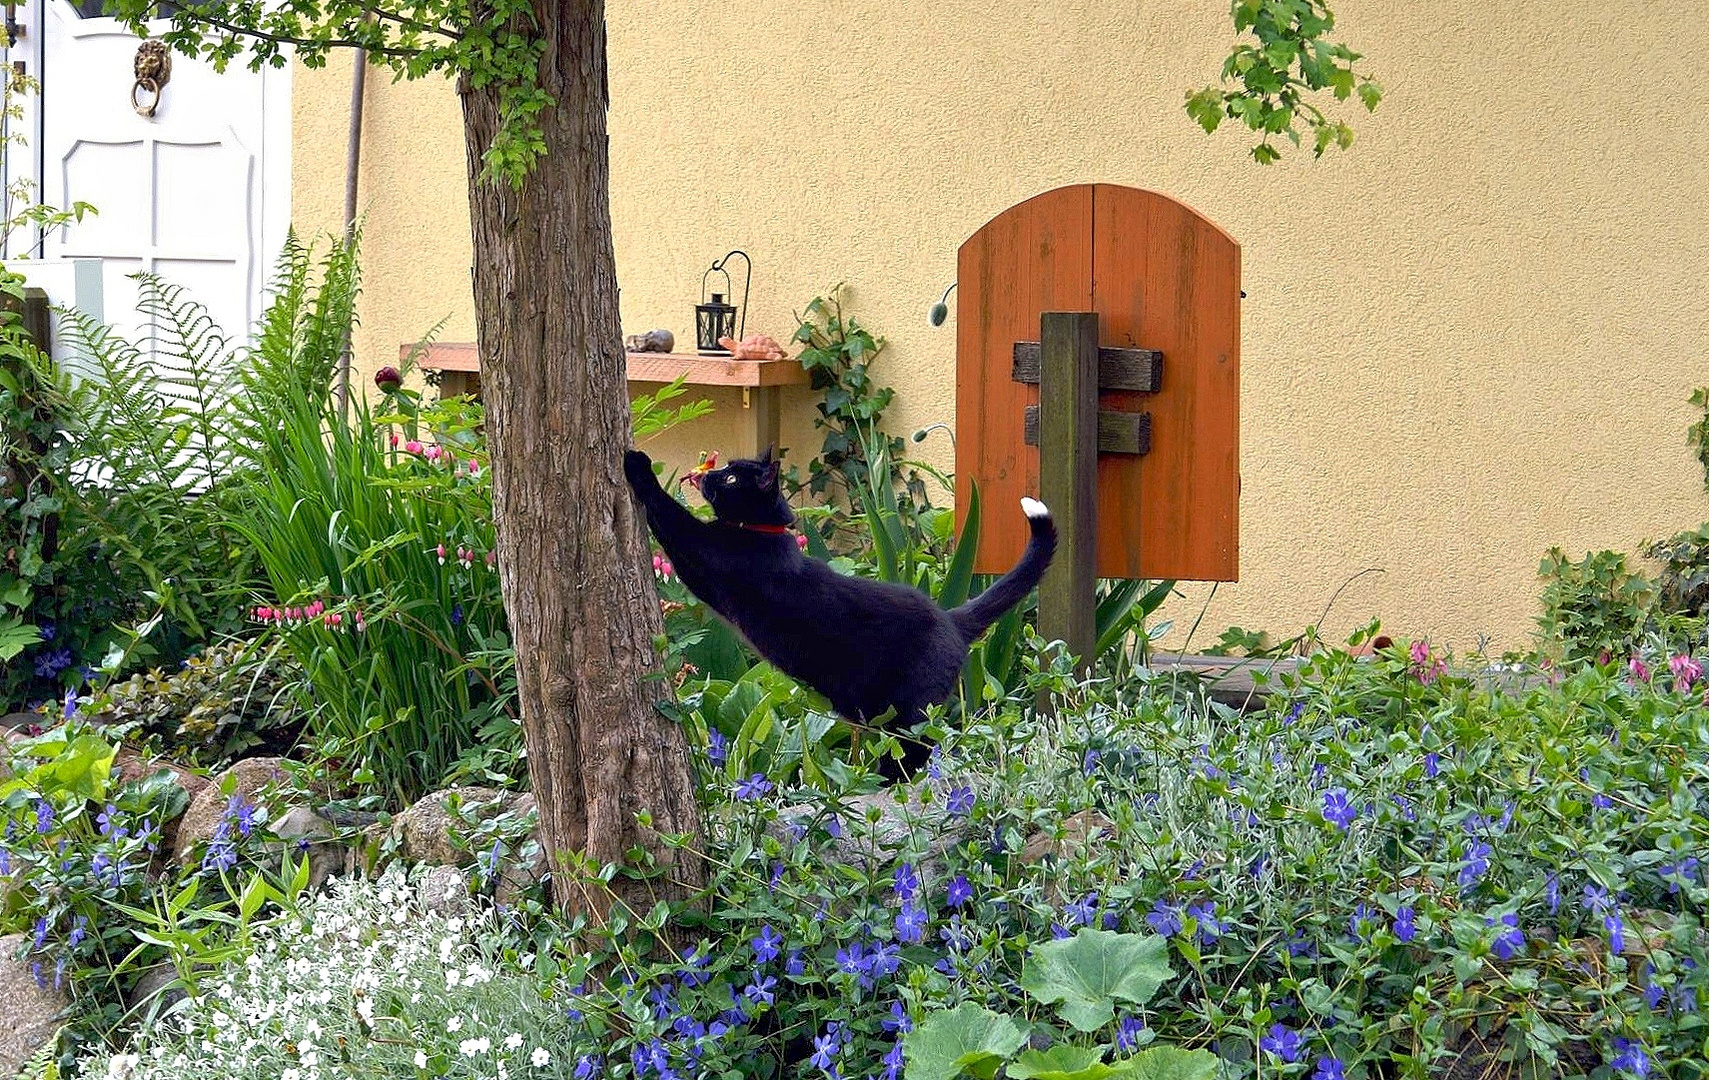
x=765, y=458
x=768, y=477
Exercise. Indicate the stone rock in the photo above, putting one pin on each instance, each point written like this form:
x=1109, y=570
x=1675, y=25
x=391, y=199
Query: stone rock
x=31, y=1012
x=248, y=777
x=652, y=341
x=129, y=766
x=425, y=832
x=155, y=992
x=521, y=873
x=1076, y=833
x=300, y=830
x=444, y=890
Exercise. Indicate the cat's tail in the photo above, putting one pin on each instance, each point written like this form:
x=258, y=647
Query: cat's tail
x=975, y=616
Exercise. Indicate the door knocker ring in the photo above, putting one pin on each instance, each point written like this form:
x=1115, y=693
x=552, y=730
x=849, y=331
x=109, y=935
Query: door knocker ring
x=153, y=67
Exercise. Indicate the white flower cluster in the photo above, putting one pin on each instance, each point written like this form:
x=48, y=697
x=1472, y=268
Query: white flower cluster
x=362, y=982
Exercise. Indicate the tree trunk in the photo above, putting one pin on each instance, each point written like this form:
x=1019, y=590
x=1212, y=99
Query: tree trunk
x=573, y=555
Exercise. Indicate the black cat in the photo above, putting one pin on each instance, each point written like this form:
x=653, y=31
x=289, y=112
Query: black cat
x=868, y=646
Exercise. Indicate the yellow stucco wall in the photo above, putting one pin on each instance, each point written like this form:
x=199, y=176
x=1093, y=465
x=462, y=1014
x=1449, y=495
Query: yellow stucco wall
x=1467, y=339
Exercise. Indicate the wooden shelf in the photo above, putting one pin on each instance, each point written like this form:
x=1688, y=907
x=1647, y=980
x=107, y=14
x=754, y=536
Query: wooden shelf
x=643, y=367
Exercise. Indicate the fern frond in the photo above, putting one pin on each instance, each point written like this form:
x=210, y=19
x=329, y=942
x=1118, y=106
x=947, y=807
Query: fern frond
x=194, y=366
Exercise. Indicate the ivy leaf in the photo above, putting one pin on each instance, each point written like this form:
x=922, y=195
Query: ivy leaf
x=1085, y=975
x=1061, y=1063
x=1169, y=1063
x=964, y=1039
x=1370, y=93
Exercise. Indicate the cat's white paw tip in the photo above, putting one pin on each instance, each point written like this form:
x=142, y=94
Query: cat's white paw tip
x=1032, y=508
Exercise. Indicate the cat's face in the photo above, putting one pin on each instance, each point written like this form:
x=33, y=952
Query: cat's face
x=747, y=491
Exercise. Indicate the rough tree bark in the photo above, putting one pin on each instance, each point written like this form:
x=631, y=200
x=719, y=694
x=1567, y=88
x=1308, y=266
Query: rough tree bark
x=573, y=556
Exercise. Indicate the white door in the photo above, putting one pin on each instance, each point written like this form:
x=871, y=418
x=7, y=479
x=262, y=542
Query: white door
x=198, y=193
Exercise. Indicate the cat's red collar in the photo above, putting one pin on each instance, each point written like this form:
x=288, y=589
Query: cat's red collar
x=769, y=530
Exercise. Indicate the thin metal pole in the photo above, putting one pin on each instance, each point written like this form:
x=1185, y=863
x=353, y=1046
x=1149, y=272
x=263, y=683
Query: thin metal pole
x=352, y=173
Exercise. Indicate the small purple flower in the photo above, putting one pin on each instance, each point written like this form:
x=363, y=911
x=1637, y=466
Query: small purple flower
x=220, y=857
x=1653, y=994
x=1090, y=761
x=1552, y=892
x=717, y=747
x=1128, y=1033
x=1405, y=928
x=1081, y=912
x=753, y=787
x=1598, y=899
x=766, y=945
x=1476, y=863
x=588, y=1067
x=795, y=965
x=1164, y=918
x=959, y=891
x=1329, y=1068
x=1204, y=914
x=1682, y=872
x=1432, y=764
x=762, y=991
x=41, y=933
x=907, y=882
x=107, y=822
x=1364, y=917
x=893, y=1061
x=1629, y=1057
x=1295, y=711
x=44, y=817
x=1509, y=939
x=1616, y=928
x=825, y=1048
x=1337, y=809
x=910, y=924
x=898, y=1020
x=1283, y=1043
x=960, y=801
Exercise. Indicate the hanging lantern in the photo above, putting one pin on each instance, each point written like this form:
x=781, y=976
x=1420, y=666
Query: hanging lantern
x=716, y=319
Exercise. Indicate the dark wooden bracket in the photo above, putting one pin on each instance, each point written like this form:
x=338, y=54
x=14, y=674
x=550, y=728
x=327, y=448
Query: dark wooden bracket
x=1118, y=432
x=1118, y=369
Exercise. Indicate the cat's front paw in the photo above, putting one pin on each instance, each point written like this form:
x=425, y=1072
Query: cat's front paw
x=638, y=468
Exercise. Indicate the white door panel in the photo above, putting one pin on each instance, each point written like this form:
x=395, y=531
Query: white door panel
x=198, y=193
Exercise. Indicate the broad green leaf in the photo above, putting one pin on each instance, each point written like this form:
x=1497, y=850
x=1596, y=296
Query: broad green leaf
x=1060, y=1063
x=1169, y=1063
x=966, y=1039
x=1085, y=975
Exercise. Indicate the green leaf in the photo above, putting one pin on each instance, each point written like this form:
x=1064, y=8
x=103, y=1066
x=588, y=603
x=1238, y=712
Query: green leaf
x=1060, y=1063
x=959, y=577
x=1085, y=975
x=1169, y=1063
x=966, y=1039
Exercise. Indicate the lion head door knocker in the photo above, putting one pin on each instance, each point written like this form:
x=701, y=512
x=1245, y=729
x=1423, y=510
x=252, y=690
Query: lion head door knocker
x=153, y=71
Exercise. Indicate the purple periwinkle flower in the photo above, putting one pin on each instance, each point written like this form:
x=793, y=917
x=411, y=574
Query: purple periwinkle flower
x=1432, y=764
x=1364, y=917
x=753, y=787
x=1509, y=939
x=219, y=857
x=1081, y=912
x=959, y=891
x=1164, y=918
x=1405, y=926
x=898, y=1020
x=1283, y=1043
x=766, y=945
x=1629, y=1057
x=588, y=1067
x=1616, y=928
x=762, y=991
x=1128, y=1033
x=960, y=801
x=825, y=1049
x=1476, y=863
x=1338, y=810
x=893, y=1061
x=1682, y=872
x=794, y=965
x=40, y=940
x=907, y=882
x=1552, y=892
x=1203, y=913
x=44, y=817
x=910, y=924
x=1329, y=1068
x=717, y=747
x=1598, y=899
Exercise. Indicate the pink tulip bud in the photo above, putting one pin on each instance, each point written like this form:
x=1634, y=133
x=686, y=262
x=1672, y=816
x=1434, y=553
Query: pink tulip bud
x=394, y=440
x=388, y=380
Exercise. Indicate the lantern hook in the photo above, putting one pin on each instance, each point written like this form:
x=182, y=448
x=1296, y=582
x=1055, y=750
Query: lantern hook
x=747, y=282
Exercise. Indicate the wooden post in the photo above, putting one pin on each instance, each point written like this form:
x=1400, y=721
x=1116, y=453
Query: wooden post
x=1068, y=477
